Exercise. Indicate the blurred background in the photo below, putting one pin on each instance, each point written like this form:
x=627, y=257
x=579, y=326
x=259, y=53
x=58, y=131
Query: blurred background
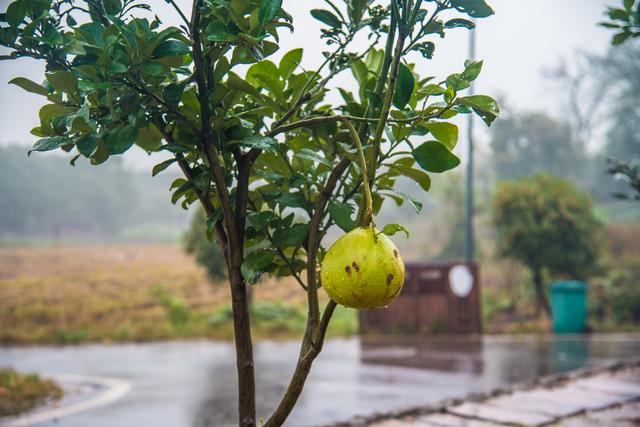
x=569, y=102
x=99, y=254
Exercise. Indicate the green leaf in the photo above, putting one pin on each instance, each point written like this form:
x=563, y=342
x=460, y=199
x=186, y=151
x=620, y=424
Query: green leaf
x=255, y=264
x=236, y=83
x=52, y=143
x=211, y=222
x=426, y=49
x=202, y=182
x=260, y=220
x=162, y=166
x=456, y=23
x=121, y=139
x=289, y=62
x=432, y=89
x=620, y=38
x=360, y=72
x=314, y=156
x=149, y=139
x=268, y=10
x=326, y=17
x=293, y=200
x=628, y=4
x=50, y=35
x=63, y=81
x=291, y=236
x=485, y=106
x=171, y=48
x=152, y=68
x=446, y=133
x=16, y=12
x=112, y=7
x=433, y=156
x=471, y=70
x=101, y=154
x=30, y=86
x=618, y=14
x=419, y=177
x=457, y=82
x=87, y=144
x=415, y=203
x=177, y=183
x=473, y=8
x=404, y=87
x=391, y=229
x=264, y=143
x=341, y=214
x=356, y=10
x=218, y=31
x=181, y=191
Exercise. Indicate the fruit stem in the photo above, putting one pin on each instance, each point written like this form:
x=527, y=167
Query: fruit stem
x=368, y=200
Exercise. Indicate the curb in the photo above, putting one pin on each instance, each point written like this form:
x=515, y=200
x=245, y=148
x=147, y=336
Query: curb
x=547, y=381
x=114, y=390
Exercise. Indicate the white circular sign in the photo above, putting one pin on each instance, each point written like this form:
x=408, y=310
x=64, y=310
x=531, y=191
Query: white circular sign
x=460, y=281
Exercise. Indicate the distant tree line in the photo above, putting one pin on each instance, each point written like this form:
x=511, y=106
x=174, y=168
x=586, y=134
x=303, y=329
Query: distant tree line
x=43, y=196
x=601, y=95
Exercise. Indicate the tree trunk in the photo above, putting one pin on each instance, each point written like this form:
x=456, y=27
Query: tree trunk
x=311, y=347
x=541, y=295
x=244, y=349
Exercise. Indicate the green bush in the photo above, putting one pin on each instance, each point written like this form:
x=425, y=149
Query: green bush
x=177, y=310
x=207, y=253
x=615, y=298
x=549, y=225
x=20, y=393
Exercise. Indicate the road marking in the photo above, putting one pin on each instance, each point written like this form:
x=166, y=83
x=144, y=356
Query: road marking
x=115, y=389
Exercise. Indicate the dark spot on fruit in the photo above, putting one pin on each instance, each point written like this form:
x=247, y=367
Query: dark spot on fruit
x=395, y=253
x=356, y=266
x=348, y=270
x=389, y=278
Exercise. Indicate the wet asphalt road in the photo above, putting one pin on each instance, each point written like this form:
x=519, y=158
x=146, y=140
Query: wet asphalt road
x=192, y=383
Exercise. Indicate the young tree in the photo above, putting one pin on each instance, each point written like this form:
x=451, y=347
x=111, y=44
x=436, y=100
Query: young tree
x=549, y=225
x=272, y=163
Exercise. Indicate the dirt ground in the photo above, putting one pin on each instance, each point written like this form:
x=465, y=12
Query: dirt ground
x=67, y=294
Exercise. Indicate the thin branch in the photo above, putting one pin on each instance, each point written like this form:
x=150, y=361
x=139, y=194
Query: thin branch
x=303, y=97
x=184, y=18
x=330, y=119
x=321, y=330
x=188, y=173
x=368, y=212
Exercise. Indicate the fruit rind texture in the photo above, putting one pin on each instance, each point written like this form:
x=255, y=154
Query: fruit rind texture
x=363, y=269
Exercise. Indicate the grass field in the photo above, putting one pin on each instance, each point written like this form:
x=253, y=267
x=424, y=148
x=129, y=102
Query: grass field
x=77, y=292
x=72, y=294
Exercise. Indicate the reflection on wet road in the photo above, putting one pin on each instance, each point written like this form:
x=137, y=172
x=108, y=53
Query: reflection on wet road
x=192, y=383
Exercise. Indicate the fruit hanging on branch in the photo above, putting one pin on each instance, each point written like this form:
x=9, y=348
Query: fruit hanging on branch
x=363, y=269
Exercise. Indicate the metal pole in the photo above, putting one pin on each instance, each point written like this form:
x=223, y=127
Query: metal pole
x=469, y=238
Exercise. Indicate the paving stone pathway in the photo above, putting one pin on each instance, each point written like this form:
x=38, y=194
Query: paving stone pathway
x=604, y=399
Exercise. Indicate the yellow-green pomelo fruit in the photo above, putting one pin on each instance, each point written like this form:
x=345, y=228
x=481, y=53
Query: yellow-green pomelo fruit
x=363, y=269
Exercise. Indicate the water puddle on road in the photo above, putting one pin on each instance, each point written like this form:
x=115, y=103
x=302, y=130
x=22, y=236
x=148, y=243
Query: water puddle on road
x=192, y=383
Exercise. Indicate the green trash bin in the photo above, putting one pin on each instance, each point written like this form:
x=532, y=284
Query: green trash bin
x=569, y=306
